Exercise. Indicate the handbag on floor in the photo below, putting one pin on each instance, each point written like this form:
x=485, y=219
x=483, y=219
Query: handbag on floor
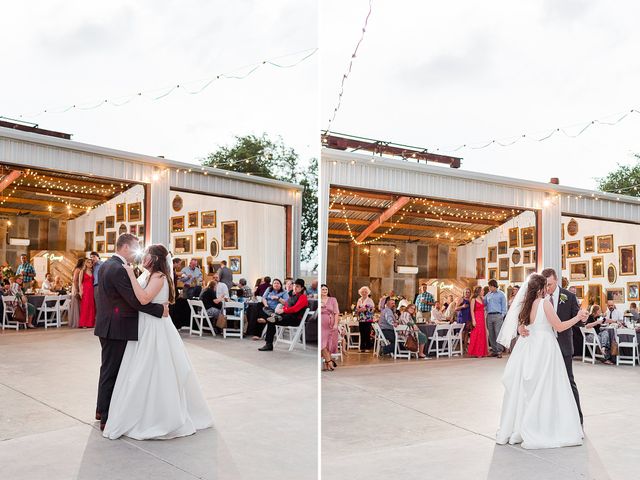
x=221, y=321
x=411, y=343
x=614, y=349
x=19, y=313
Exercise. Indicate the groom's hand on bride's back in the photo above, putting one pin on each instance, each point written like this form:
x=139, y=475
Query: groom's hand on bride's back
x=166, y=309
x=522, y=331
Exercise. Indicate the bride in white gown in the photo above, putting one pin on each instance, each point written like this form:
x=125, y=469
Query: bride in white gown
x=157, y=394
x=538, y=410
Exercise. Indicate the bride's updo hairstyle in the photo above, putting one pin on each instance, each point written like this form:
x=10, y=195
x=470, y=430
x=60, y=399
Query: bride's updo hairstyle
x=158, y=263
x=537, y=283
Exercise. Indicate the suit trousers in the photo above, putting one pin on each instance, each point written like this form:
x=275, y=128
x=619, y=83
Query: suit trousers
x=568, y=363
x=288, y=320
x=494, y=324
x=112, y=353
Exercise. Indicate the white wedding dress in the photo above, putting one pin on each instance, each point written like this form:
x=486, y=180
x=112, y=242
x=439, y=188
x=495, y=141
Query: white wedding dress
x=538, y=409
x=157, y=394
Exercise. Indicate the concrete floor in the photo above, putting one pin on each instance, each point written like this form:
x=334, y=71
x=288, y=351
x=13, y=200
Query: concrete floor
x=264, y=406
x=436, y=419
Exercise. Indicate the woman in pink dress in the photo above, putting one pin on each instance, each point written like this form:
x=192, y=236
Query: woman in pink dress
x=478, y=338
x=329, y=327
x=87, y=303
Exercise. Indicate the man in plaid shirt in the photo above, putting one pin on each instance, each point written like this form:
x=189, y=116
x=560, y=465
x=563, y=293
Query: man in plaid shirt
x=26, y=270
x=424, y=301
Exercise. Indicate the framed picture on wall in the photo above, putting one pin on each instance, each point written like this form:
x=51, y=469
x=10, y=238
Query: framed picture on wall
x=514, y=237
x=573, y=249
x=480, y=268
x=214, y=248
x=579, y=271
x=177, y=203
x=633, y=291
x=572, y=227
x=88, y=241
x=99, y=229
x=111, y=241
x=597, y=266
x=122, y=230
x=517, y=274
x=133, y=230
x=110, y=221
x=594, y=294
x=135, y=212
x=528, y=237
x=121, y=212
x=627, y=255
x=526, y=256
x=192, y=219
x=605, y=243
x=564, y=255
x=612, y=274
x=615, y=294
x=208, y=219
x=579, y=291
x=562, y=231
x=100, y=246
x=492, y=255
x=503, y=268
x=528, y=271
x=201, y=241
x=199, y=262
x=230, y=235
x=177, y=224
x=589, y=244
x=493, y=274
x=141, y=231
x=502, y=248
x=235, y=263
x=516, y=256
x=182, y=245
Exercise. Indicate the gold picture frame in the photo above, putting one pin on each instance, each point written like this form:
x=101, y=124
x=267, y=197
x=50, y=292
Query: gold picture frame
x=481, y=264
x=579, y=291
x=589, y=244
x=502, y=248
x=517, y=274
x=177, y=224
x=110, y=221
x=122, y=229
x=526, y=256
x=562, y=231
x=100, y=246
x=597, y=266
x=208, y=219
x=605, y=243
x=192, y=219
x=88, y=241
x=514, y=237
x=594, y=294
x=528, y=237
x=135, y=212
x=616, y=294
x=579, y=271
x=564, y=255
x=214, y=248
x=182, y=244
x=100, y=229
x=121, y=212
x=633, y=291
x=503, y=268
x=493, y=273
x=111, y=241
x=492, y=254
x=201, y=241
x=235, y=264
x=573, y=249
x=627, y=260
x=230, y=235
x=572, y=227
x=612, y=273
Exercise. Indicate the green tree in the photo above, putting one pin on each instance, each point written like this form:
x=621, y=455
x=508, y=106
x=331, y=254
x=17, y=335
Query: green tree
x=625, y=179
x=264, y=157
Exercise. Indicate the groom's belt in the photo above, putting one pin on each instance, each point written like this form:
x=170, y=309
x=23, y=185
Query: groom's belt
x=494, y=313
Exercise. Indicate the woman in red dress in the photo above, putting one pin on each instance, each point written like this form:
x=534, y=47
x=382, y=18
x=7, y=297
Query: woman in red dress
x=478, y=338
x=87, y=303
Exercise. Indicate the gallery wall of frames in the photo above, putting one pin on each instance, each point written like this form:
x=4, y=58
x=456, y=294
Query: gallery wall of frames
x=98, y=229
x=211, y=229
x=599, y=258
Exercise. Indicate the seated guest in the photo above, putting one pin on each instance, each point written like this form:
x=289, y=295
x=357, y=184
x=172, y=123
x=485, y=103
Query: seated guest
x=612, y=315
x=383, y=299
x=407, y=318
x=191, y=277
x=21, y=300
x=266, y=283
x=633, y=310
x=437, y=314
x=274, y=296
x=47, y=284
x=222, y=291
x=595, y=322
x=293, y=311
x=403, y=304
x=210, y=300
x=451, y=313
x=388, y=322
x=288, y=285
x=57, y=286
x=312, y=291
x=245, y=291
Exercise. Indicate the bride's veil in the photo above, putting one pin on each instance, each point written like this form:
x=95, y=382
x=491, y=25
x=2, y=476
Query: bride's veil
x=509, y=328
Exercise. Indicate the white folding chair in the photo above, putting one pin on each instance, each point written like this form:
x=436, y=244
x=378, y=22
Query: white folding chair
x=353, y=337
x=49, y=312
x=456, y=343
x=591, y=342
x=400, y=350
x=440, y=341
x=380, y=340
x=295, y=334
x=234, y=317
x=7, y=314
x=341, y=341
x=630, y=340
x=65, y=303
x=200, y=318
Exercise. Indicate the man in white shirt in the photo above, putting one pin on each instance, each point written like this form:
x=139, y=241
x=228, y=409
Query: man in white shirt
x=612, y=315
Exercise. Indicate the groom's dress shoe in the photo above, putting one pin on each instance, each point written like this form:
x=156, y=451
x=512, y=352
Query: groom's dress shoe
x=98, y=416
x=267, y=348
x=102, y=425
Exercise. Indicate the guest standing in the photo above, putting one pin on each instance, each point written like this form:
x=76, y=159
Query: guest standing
x=312, y=291
x=364, y=310
x=495, y=303
x=329, y=327
x=87, y=300
x=266, y=283
x=97, y=263
x=514, y=292
x=225, y=274
x=27, y=271
x=74, y=305
x=478, y=340
x=450, y=313
x=464, y=316
x=424, y=301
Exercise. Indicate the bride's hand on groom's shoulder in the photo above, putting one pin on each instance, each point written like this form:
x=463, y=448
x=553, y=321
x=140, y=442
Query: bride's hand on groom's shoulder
x=128, y=268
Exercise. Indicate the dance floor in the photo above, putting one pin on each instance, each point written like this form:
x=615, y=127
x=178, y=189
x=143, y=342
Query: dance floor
x=436, y=419
x=264, y=406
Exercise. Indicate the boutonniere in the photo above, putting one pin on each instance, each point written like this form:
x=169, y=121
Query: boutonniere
x=563, y=298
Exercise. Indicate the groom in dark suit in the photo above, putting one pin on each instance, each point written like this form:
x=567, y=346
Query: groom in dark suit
x=117, y=318
x=567, y=307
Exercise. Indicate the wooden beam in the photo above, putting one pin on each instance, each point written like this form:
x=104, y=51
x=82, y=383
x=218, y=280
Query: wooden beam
x=409, y=226
x=412, y=238
x=64, y=193
x=352, y=252
x=383, y=217
x=9, y=179
x=430, y=216
x=85, y=181
x=366, y=194
x=31, y=201
x=39, y=213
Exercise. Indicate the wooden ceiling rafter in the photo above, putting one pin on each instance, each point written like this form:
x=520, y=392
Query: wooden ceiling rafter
x=383, y=217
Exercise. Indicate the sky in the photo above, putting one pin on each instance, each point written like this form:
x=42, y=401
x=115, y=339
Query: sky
x=443, y=74
x=56, y=54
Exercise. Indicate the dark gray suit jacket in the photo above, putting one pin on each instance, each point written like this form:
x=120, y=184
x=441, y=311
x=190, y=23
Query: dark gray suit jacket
x=566, y=311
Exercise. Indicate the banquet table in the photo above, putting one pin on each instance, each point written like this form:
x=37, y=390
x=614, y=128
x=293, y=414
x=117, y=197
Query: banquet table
x=35, y=300
x=612, y=337
x=428, y=329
